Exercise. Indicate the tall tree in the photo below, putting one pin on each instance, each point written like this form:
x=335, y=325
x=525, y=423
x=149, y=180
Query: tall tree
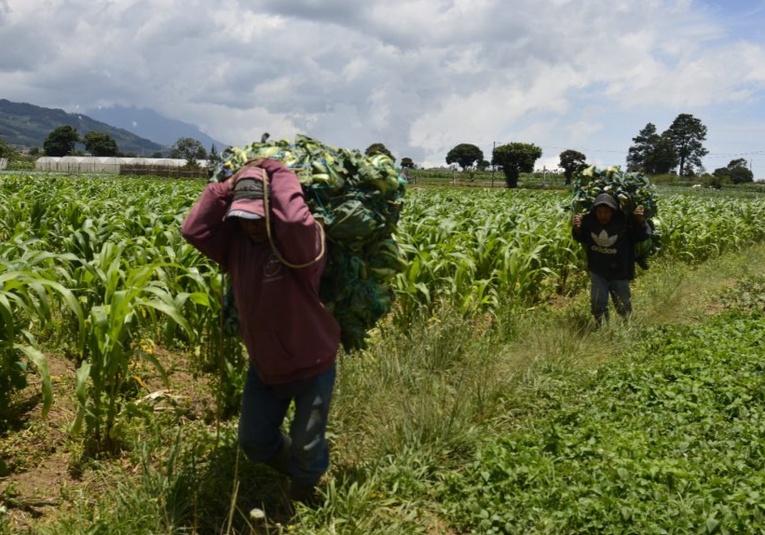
x=663, y=158
x=652, y=153
x=644, y=144
x=515, y=158
x=407, y=163
x=188, y=149
x=379, y=148
x=61, y=141
x=571, y=161
x=464, y=155
x=214, y=156
x=100, y=144
x=687, y=134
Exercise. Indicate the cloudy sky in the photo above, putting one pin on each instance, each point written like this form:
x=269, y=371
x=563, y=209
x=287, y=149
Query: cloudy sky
x=420, y=76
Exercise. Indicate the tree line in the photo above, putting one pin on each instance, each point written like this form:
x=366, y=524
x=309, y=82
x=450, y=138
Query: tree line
x=678, y=149
x=63, y=141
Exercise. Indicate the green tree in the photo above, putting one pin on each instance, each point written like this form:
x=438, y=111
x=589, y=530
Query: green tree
x=652, y=153
x=737, y=172
x=188, y=149
x=100, y=144
x=740, y=172
x=407, y=163
x=687, y=134
x=378, y=148
x=61, y=141
x=643, y=147
x=515, y=158
x=464, y=155
x=571, y=161
x=214, y=157
x=6, y=151
x=663, y=158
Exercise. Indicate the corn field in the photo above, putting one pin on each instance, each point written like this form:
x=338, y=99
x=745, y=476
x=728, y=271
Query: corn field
x=97, y=266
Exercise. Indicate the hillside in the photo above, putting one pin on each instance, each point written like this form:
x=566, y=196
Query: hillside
x=26, y=125
x=151, y=125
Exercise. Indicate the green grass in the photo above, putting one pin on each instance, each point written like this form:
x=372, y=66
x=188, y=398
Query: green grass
x=450, y=422
x=669, y=438
x=523, y=422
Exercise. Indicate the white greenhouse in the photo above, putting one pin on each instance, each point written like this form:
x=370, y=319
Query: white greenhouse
x=104, y=164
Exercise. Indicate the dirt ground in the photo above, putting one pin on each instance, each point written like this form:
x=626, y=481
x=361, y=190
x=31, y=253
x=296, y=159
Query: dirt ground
x=41, y=466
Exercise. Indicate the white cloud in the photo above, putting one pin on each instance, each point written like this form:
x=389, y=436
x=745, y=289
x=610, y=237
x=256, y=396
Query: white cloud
x=417, y=75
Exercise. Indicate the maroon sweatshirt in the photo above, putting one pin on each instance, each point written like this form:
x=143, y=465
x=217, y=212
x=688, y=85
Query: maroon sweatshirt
x=288, y=332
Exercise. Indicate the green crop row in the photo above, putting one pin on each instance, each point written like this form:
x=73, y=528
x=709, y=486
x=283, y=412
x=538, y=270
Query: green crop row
x=96, y=265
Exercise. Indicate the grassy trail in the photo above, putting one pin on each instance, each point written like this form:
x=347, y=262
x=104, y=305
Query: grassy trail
x=457, y=398
x=661, y=433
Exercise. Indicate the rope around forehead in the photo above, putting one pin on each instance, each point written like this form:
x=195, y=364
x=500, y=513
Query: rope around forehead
x=255, y=192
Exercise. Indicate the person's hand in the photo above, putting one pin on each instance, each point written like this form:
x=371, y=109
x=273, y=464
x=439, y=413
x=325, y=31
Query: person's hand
x=639, y=214
x=576, y=221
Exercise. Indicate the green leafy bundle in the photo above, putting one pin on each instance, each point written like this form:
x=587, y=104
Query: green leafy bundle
x=630, y=191
x=358, y=200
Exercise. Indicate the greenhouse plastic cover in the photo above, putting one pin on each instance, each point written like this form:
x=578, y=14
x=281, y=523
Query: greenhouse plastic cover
x=103, y=164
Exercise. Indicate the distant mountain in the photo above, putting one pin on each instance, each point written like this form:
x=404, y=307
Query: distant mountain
x=150, y=124
x=26, y=125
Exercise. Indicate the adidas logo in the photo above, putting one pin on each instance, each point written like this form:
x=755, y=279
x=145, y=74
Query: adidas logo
x=603, y=242
x=603, y=239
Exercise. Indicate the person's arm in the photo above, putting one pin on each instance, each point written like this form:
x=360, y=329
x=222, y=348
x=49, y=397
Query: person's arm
x=576, y=228
x=204, y=227
x=640, y=230
x=298, y=235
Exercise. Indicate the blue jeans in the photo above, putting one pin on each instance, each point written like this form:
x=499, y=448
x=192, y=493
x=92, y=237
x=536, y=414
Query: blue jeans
x=601, y=288
x=304, y=456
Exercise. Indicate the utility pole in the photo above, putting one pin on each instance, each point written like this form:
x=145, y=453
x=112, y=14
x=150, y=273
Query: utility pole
x=493, y=167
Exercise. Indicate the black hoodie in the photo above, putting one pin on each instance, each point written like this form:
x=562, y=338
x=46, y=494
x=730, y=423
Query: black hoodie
x=611, y=248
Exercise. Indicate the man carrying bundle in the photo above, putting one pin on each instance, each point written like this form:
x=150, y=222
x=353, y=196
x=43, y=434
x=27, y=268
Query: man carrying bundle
x=257, y=227
x=609, y=237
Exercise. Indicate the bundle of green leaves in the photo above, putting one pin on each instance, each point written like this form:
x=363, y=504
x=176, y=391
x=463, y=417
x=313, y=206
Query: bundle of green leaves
x=630, y=190
x=358, y=200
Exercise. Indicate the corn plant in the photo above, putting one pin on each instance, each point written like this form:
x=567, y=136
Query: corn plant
x=475, y=250
x=111, y=328
x=25, y=297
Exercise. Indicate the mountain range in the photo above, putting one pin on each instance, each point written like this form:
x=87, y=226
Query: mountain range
x=138, y=131
x=149, y=124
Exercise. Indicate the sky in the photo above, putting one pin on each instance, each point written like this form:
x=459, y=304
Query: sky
x=419, y=76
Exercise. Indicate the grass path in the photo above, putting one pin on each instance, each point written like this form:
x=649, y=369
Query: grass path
x=459, y=400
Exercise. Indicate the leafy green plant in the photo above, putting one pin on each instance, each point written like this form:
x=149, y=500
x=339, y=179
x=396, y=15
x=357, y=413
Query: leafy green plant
x=667, y=439
x=25, y=297
x=110, y=336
